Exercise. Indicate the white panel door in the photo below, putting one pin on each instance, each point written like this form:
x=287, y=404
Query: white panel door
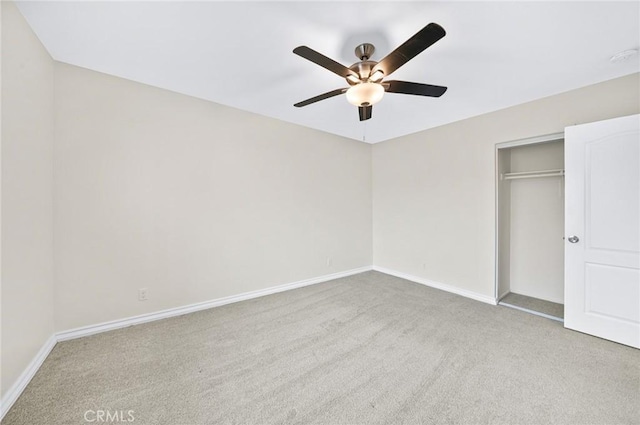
x=602, y=225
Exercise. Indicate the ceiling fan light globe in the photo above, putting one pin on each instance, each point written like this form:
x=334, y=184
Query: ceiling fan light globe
x=365, y=93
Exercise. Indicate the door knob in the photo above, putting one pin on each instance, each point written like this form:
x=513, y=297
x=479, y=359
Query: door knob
x=573, y=239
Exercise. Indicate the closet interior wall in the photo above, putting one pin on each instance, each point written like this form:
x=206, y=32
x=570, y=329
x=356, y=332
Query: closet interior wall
x=531, y=222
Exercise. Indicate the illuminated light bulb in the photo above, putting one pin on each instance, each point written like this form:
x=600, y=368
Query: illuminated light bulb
x=365, y=94
x=376, y=76
x=353, y=79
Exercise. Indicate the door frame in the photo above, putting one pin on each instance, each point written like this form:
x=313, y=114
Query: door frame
x=547, y=138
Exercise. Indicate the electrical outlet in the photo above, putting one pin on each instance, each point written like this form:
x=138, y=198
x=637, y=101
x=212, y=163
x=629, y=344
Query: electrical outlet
x=329, y=261
x=142, y=294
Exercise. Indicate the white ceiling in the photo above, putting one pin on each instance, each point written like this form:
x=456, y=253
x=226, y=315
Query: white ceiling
x=495, y=54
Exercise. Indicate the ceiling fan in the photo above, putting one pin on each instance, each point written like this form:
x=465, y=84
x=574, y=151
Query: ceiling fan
x=366, y=77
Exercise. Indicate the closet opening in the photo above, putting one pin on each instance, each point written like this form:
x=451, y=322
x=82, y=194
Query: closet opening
x=530, y=225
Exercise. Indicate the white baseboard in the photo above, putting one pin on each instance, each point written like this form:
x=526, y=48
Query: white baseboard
x=438, y=285
x=16, y=389
x=179, y=311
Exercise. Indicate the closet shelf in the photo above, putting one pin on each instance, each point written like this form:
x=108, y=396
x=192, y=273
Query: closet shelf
x=532, y=174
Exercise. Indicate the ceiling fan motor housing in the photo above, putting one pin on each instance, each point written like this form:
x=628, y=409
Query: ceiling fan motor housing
x=363, y=69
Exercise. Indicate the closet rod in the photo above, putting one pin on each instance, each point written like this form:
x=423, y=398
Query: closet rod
x=533, y=174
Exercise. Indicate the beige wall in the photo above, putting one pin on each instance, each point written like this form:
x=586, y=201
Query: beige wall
x=27, y=231
x=434, y=191
x=193, y=200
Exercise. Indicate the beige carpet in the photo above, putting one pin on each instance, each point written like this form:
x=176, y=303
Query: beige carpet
x=367, y=349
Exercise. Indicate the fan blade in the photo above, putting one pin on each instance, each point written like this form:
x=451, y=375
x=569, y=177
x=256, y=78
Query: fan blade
x=407, y=87
x=320, y=97
x=410, y=48
x=323, y=61
x=365, y=112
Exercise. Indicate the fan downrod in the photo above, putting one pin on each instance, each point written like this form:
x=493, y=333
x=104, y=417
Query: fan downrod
x=364, y=51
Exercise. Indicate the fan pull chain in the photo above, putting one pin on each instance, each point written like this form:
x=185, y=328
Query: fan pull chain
x=364, y=132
